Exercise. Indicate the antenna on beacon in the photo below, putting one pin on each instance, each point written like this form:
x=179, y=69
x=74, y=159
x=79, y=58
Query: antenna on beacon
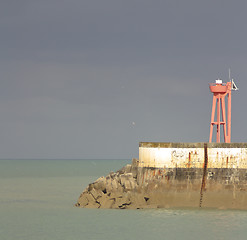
x=234, y=86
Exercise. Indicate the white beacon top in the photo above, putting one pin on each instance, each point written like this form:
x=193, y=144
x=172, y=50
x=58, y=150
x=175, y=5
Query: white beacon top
x=218, y=81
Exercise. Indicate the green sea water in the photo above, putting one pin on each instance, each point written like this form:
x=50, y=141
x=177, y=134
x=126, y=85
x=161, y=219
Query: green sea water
x=37, y=200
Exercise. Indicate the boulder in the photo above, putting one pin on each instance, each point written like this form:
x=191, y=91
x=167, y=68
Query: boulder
x=93, y=205
x=100, y=184
x=85, y=199
x=121, y=202
x=116, y=186
x=125, y=169
x=96, y=193
x=105, y=201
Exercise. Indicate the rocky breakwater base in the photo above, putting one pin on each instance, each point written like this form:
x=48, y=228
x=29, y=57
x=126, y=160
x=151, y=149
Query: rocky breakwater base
x=174, y=175
x=119, y=190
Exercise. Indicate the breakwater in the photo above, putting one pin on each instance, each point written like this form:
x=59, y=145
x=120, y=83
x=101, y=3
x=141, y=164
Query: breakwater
x=205, y=175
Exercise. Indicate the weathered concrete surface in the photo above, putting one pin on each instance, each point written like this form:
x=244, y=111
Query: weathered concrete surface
x=191, y=155
x=180, y=184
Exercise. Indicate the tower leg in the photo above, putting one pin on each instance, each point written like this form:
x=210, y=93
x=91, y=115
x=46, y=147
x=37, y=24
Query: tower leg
x=212, y=119
x=224, y=117
x=229, y=117
x=218, y=120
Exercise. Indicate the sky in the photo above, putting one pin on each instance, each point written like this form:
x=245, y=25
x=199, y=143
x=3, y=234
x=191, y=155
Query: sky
x=90, y=79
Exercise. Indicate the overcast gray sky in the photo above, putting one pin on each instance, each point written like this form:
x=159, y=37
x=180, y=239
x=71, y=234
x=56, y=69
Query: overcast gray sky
x=93, y=78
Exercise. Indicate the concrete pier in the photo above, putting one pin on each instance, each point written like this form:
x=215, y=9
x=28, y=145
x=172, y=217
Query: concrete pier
x=201, y=175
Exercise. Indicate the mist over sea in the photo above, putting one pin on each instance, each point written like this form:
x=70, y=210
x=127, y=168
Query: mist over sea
x=37, y=200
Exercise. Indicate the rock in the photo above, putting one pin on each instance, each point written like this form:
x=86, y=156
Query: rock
x=96, y=193
x=134, y=168
x=125, y=182
x=83, y=200
x=128, y=182
x=93, y=205
x=100, y=184
x=112, y=175
x=125, y=169
x=105, y=202
x=133, y=183
x=135, y=162
x=108, y=185
x=121, y=202
x=116, y=186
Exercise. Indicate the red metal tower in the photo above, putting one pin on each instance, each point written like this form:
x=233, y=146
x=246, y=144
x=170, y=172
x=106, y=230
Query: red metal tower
x=220, y=90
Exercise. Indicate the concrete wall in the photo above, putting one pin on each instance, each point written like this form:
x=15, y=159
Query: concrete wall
x=192, y=155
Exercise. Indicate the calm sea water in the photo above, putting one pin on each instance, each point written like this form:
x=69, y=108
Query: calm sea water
x=37, y=198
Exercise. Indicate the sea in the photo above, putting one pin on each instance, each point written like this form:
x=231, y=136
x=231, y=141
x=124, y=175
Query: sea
x=37, y=198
